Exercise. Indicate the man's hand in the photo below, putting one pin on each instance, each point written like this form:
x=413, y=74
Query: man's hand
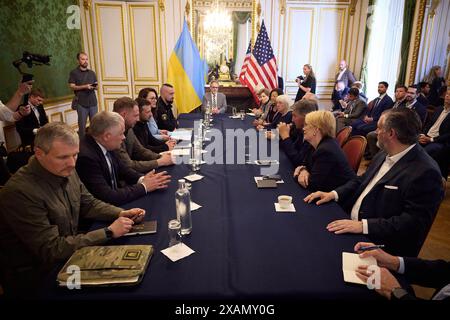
x=121, y=226
x=284, y=130
x=383, y=259
x=165, y=137
x=135, y=214
x=171, y=144
x=339, y=114
x=387, y=281
x=215, y=110
x=25, y=110
x=165, y=160
x=368, y=119
x=154, y=181
x=303, y=178
x=322, y=196
x=164, y=132
x=345, y=226
x=423, y=139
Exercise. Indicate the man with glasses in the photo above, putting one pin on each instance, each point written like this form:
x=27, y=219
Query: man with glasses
x=216, y=99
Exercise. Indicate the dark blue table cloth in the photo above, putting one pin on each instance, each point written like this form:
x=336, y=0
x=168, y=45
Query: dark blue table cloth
x=243, y=248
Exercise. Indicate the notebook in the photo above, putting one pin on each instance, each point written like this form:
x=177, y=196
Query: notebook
x=265, y=184
x=146, y=227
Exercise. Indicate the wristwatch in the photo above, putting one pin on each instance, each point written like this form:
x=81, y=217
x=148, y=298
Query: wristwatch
x=109, y=233
x=398, y=293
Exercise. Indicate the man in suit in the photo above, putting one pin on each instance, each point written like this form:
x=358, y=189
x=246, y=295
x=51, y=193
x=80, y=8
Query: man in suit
x=436, y=134
x=413, y=104
x=216, y=100
x=100, y=170
x=432, y=274
x=131, y=152
x=28, y=126
x=354, y=109
x=400, y=102
x=339, y=93
x=424, y=92
x=345, y=75
x=291, y=136
x=379, y=105
x=164, y=114
x=395, y=201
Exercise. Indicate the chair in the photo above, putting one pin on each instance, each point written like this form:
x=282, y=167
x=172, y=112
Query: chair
x=343, y=134
x=354, y=150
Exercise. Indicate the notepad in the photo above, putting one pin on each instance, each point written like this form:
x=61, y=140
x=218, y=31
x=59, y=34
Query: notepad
x=146, y=227
x=350, y=263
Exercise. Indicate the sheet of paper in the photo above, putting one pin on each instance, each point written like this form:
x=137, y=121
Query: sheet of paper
x=260, y=178
x=181, y=152
x=235, y=117
x=177, y=252
x=181, y=135
x=250, y=114
x=266, y=162
x=291, y=208
x=194, y=177
x=350, y=263
x=195, y=206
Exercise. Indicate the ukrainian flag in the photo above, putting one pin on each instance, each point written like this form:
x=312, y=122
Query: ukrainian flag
x=186, y=72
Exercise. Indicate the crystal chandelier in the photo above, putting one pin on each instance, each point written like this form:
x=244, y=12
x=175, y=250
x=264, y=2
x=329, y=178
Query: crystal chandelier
x=217, y=28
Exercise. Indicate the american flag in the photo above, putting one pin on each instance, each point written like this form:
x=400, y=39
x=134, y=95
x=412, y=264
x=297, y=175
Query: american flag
x=244, y=64
x=261, y=65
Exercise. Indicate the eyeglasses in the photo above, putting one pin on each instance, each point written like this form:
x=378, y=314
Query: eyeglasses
x=214, y=87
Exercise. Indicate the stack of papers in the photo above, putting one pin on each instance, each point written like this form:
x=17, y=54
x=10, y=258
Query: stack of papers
x=350, y=263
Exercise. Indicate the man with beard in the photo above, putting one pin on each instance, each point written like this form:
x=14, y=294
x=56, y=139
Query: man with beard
x=83, y=82
x=395, y=201
x=164, y=115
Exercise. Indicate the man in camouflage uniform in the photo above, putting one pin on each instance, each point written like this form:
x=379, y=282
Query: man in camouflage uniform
x=164, y=115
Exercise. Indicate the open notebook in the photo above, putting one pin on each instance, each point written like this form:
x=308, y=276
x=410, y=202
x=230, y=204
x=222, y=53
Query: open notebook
x=350, y=263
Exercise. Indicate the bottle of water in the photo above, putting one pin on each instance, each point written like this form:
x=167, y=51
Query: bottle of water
x=183, y=206
x=198, y=151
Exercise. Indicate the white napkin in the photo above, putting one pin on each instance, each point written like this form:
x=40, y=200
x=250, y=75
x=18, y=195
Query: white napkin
x=195, y=206
x=291, y=208
x=194, y=177
x=177, y=252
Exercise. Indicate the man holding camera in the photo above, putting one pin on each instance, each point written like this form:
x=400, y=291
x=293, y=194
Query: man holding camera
x=83, y=82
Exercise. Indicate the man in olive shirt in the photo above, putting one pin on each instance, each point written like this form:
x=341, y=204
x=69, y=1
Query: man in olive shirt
x=41, y=206
x=164, y=115
x=83, y=82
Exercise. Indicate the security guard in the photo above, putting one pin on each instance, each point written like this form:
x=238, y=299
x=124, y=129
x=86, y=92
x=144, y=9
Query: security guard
x=164, y=115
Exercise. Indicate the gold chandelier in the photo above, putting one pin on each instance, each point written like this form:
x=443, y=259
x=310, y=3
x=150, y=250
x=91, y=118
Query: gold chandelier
x=218, y=28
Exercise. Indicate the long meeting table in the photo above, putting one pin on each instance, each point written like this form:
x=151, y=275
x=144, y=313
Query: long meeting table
x=243, y=248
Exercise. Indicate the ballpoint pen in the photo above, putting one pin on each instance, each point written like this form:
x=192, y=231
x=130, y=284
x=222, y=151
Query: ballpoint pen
x=380, y=246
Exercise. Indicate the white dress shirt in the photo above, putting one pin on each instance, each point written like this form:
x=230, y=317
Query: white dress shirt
x=388, y=163
x=434, y=130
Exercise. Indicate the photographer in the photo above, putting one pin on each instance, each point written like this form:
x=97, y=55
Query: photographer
x=307, y=83
x=9, y=111
x=83, y=82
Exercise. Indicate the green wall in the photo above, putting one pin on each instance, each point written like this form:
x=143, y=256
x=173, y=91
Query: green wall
x=37, y=26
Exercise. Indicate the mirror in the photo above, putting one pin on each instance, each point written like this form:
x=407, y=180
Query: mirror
x=222, y=31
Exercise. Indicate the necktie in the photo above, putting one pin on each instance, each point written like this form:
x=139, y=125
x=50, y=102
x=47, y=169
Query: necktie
x=112, y=171
x=214, y=104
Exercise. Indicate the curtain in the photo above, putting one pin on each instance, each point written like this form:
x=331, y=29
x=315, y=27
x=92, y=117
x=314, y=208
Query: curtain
x=408, y=17
x=240, y=36
x=383, y=52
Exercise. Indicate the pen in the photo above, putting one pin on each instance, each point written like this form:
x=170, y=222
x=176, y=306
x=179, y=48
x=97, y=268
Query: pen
x=371, y=247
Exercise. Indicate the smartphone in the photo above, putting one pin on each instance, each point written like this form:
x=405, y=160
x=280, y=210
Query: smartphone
x=95, y=84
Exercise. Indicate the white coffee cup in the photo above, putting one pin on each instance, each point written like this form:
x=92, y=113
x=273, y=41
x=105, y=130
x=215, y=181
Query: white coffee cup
x=284, y=201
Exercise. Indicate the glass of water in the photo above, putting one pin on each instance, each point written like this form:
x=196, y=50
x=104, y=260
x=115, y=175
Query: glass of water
x=174, y=230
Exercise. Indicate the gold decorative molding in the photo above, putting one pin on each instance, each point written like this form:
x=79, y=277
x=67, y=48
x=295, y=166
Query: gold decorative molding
x=242, y=4
x=255, y=20
x=162, y=5
x=58, y=116
x=352, y=8
x=433, y=6
x=282, y=7
x=416, y=40
x=87, y=4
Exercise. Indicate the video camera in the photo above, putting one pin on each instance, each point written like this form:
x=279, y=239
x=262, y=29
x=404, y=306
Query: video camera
x=30, y=59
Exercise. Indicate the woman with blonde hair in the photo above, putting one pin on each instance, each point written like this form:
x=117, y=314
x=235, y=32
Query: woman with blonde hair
x=436, y=81
x=307, y=83
x=327, y=168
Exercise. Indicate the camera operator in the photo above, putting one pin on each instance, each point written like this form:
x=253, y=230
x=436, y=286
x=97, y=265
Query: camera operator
x=9, y=111
x=83, y=82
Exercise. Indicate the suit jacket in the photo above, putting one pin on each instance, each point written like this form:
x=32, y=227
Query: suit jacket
x=148, y=141
x=295, y=148
x=420, y=109
x=401, y=207
x=336, y=96
x=221, y=101
x=444, y=129
x=94, y=172
x=426, y=273
x=133, y=155
x=27, y=124
x=328, y=167
x=423, y=99
x=347, y=77
x=356, y=109
x=362, y=128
